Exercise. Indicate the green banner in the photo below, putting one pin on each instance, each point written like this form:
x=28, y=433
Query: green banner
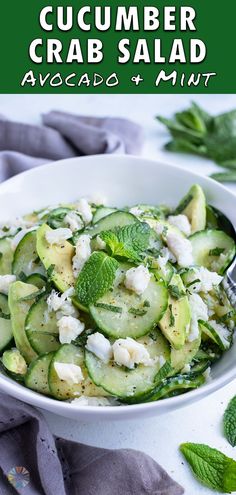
x=79, y=46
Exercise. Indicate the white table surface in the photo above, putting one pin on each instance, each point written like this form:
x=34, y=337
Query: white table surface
x=200, y=422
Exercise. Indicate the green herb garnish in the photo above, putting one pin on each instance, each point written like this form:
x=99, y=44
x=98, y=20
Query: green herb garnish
x=193, y=282
x=96, y=277
x=172, y=318
x=146, y=304
x=216, y=251
x=50, y=271
x=22, y=277
x=137, y=311
x=108, y=307
x=129, y=241
x=175, y=292
x=4, y=315
x=197, y=132
x=229, y=422
x=211, y=467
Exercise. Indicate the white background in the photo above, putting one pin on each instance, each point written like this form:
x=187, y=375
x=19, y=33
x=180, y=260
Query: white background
x=201, y=422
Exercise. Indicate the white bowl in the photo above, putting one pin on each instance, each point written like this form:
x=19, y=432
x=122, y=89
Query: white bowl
x=125, y=180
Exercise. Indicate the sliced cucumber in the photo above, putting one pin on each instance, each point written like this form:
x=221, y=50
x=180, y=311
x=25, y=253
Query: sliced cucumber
x=19, y=309
x=6, y=256
x=211, y=218
x=123, y=383
x=174, y=386
x=55, y=218
x=41, y=328
x=223, y=341
x=6, y=334
x=150, y=211
x=37, y=374
x=181, y=357
x=193, y=205
x=116, y=219
x=102, y=212
x=177, y=317
x=136, y=315
x=37, y=280
x=26, y=258
x=62, y=390
x=207, y=243
x=58, y=256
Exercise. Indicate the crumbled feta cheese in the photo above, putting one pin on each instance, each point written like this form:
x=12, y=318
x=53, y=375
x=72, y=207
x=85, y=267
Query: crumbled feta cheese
x=98, y=199
x=85, y=211
x=137, y=279
x=12, y=226
x=19, y=236
x=186, y=368
x=82, y=254
x=181, y=222
x=180, y=247
x=54, y=301
x=58, y=236
x=161, y=360
x=223, y=332
x=84, y=400
x=231, y=324
x=5, y=282
x=99, y=244
x=74, y=221
x=61, y=303
x=135, y=211
x=207, y=374
x=69, y=329
x=163, y=259
x=69, y=372
x=128, y=352
x=159, y=227
x=100, y=346
x=199, y=311
x=207, y=280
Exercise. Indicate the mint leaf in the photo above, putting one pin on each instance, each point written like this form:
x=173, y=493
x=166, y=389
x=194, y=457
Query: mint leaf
x=96, y=277
x=175, y=292
x=129, y=241
x=216, y=251
x=229, y=422
x=211, y=467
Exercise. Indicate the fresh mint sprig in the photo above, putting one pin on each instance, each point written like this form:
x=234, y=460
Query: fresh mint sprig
x=96, y=277
x=229, y=422
x=129, y=241
x=210, y=466
x=195, y=131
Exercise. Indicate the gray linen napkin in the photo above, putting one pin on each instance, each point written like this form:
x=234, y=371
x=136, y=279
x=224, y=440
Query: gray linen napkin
x=63, y=135
x=62, y=467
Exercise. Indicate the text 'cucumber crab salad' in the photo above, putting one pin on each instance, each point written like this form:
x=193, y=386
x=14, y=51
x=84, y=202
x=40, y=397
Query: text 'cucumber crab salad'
x=103, y=306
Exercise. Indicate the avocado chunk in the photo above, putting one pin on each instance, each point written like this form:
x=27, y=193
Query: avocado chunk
x=58, y=256
x=177, y=317
x=14, y=362
x=193, y=205
x=19, y=308
x=179, y=358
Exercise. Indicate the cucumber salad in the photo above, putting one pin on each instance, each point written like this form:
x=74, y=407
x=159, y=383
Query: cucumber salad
x=106, y=306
